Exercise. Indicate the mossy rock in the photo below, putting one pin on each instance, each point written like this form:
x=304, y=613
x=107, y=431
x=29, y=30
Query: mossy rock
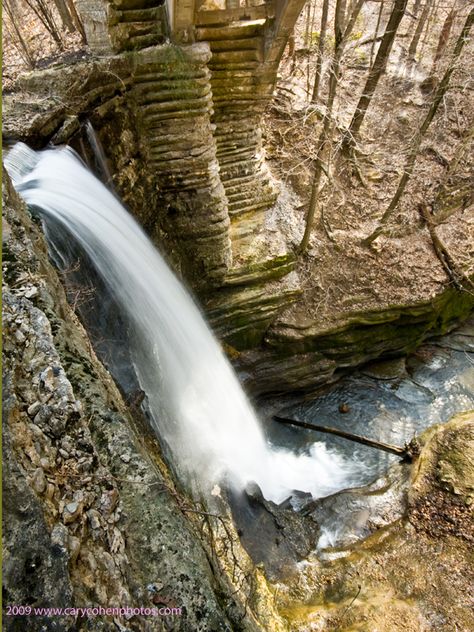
x=447, y=459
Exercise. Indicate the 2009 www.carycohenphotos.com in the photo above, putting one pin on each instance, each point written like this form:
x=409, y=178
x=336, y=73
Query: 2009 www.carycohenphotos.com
x=97, y=611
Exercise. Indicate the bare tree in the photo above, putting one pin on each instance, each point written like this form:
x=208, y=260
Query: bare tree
x=376, y=71
x=307, y=36
x=65, y=15
x=342, y=29
x=429, y=24
x=379, y=19
x=444, y=36
x=76, y=19
x=442, y=204
x=45, y=15
x=438, y=97
x=420, y=25
x=17, y=37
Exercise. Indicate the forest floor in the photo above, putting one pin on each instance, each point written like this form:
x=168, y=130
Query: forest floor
x=339, y=274
x=41, y=47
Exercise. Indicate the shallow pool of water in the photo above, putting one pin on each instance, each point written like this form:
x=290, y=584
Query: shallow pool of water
x=390, y=402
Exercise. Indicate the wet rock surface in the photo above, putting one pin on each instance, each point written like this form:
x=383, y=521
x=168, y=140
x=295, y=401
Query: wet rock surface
x=101, y=527
x=411, y=574
x=275, y=536
x=350, y=516
x=35, y=568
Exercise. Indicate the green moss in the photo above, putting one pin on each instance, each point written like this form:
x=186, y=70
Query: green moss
x=269, y=270
x=398, y=329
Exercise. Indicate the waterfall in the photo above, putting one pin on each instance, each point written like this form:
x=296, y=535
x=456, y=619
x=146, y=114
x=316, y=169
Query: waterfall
x=197, y=405
x=99, y=154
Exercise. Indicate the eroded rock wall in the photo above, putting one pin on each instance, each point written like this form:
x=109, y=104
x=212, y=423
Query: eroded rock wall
x=171, y=87
x=242, y=85
x=151, y=112
x=92, y=516
x=113, y=27
x=308, y=354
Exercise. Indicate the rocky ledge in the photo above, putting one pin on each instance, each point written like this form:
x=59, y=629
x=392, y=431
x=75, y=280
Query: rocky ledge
x=414, y=573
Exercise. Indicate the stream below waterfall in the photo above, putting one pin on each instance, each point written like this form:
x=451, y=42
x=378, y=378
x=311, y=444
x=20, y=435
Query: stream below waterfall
x=389, y=401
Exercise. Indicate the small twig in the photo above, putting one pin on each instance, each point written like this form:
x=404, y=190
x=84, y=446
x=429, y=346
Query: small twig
x=349, y=606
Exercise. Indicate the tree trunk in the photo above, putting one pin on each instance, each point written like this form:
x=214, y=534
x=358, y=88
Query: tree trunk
x=44, y=14
x=320, y=55
x=77, y=20
x=307, y=25
x=24, y=50
x=376, y=71
x=65, y=15
x=379, y=19
x=439, y=95
x=443, y=38
x=419, y=30
x=339, y=19
x=431, y=20
x=341, y=35
x=405, y=453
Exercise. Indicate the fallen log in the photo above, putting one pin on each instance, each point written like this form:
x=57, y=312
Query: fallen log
x=407, y=453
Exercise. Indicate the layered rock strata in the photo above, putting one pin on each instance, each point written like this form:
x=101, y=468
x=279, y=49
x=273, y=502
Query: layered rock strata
x=113, y=27
x=241, y=87
x=171, y=87
x=301, y=357
x=151, y=111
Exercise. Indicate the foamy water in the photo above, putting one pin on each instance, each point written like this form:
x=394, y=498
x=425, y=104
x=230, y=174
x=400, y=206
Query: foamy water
x=197, y=404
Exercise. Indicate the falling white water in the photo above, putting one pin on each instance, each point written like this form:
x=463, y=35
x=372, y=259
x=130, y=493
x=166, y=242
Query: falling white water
x=197, y=403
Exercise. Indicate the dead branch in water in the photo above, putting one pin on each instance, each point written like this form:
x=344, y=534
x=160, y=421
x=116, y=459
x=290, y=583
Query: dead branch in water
x=408, y=452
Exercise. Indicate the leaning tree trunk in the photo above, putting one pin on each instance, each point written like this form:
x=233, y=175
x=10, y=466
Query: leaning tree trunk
x=65, y=16
x=321, y=43
x=307, y=25
x=438, y=97
x=376, y=71
x=444, y=38
x=22, y=45
x=43, y=11
x=77, y=20
x=376, y=36
x=431, y=20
